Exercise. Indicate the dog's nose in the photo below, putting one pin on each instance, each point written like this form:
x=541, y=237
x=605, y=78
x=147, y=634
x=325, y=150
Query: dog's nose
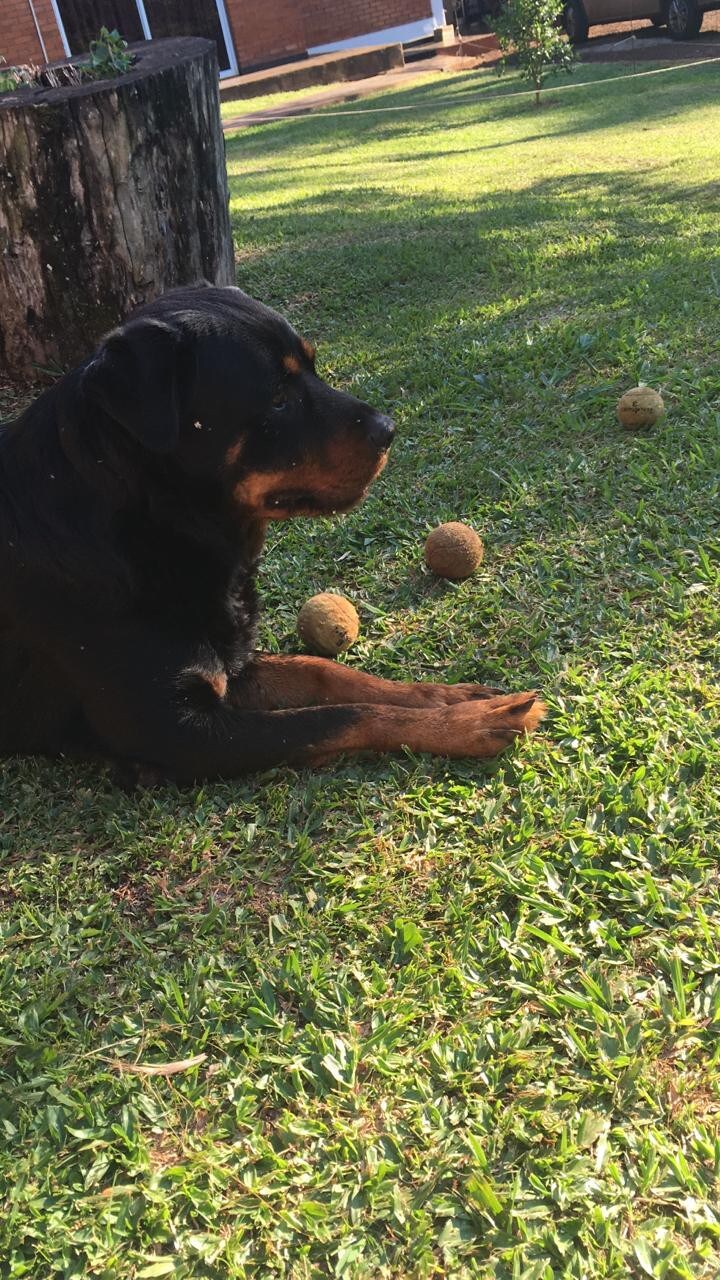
x=381, y=431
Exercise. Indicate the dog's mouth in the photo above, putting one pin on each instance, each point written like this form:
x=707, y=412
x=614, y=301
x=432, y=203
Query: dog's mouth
x=285, y=502
x=304, y=502
x=307, y=491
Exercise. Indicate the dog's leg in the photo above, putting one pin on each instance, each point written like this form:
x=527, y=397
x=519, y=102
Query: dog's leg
x=145, y=696
x=279, y=683
x=227, y=741
x=476, y=729
x=236, y=740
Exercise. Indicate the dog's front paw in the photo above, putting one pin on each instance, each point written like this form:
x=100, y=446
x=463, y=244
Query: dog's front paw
x=485, y=727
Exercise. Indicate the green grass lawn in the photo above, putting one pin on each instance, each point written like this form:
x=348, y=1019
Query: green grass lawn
x=459, y=1020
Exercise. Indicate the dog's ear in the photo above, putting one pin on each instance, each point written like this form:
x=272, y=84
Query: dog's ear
x=134, y=377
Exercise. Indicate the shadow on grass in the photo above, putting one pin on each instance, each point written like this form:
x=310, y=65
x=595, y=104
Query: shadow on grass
x=523, y=257
x=592, y=103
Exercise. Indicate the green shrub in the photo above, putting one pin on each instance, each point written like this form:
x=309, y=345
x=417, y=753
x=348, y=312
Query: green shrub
x=529, y=31
x=108, y=55
x=8, y=79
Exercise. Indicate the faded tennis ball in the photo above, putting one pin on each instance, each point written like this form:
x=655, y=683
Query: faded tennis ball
x=453, y=550
x=328, y=623
x=640, y=407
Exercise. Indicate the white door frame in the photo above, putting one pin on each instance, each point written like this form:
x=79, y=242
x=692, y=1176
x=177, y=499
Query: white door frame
x=232, y=69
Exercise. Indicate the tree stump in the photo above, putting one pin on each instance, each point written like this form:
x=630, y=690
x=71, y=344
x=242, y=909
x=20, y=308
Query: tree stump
x=110, y=193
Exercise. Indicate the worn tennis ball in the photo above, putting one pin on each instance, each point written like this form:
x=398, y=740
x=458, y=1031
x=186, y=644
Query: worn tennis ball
x=453, y=550
x=640, y=407
x=328, y=623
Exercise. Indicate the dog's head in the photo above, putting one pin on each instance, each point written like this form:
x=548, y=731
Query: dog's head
x=229, y=389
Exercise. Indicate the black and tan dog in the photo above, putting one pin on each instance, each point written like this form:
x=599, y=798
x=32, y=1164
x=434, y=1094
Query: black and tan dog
x=134, y=496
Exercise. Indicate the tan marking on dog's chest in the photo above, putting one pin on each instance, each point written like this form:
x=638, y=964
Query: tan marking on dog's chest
x=217, y=680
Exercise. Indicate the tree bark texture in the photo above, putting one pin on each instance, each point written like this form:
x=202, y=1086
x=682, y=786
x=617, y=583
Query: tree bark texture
x=111, y=192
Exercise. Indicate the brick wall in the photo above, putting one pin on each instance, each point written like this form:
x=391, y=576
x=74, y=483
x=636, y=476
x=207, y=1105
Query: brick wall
x=270, y=30
x=18, y=38
x=266, y=30
x=327, y=21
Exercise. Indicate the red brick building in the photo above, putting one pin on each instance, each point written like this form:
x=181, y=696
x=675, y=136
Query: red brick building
x=248, y=33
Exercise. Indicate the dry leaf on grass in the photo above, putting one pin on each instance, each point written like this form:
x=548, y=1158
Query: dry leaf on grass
x=158, y=1068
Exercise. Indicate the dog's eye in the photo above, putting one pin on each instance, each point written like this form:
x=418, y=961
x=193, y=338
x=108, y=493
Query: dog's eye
x=279, y=400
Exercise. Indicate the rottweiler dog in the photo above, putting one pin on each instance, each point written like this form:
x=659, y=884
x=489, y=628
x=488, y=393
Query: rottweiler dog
x=134, y=499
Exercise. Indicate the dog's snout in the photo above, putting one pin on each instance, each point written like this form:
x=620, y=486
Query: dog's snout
x=381, y=431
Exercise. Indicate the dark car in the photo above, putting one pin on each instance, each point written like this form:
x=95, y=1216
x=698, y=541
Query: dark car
x=683, y=18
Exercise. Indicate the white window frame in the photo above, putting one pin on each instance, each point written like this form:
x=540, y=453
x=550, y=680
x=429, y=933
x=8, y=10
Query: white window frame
x=60, y=28
x=231, y=70
x=229, y=42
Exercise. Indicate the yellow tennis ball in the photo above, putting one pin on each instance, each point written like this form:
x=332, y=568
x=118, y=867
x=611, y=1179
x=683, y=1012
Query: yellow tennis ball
x=328, y=623
x=453, y=550
x=640, y=407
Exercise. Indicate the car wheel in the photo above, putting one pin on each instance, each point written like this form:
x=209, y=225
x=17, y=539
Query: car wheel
x=575, y=23
x=684, y=19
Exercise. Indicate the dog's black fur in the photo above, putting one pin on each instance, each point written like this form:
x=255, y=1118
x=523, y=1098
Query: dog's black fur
x=134, y=496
